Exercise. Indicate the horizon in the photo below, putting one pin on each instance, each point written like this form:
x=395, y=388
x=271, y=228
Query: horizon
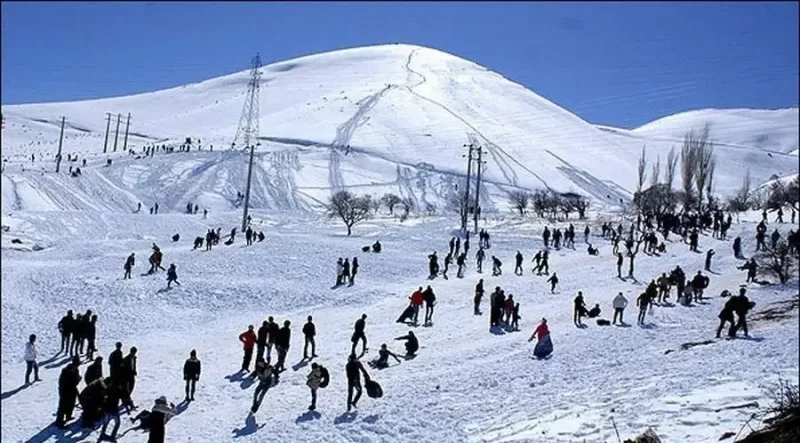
x=694, y=70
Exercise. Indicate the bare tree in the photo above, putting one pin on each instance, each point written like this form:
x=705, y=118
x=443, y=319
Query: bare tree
x=519, y=200
x=349, y=208
x=654, y=175
x=390, y=200
x=741, y=201
x=641, y=170
x=781, y=194
x=408, y=205
x=430, y=209
x=778, y=262
x=704, y=158
x=671, y=166
x=375, y=204
x=569, y=202
x=688, y=168
x=540, y=202
x=581, y=205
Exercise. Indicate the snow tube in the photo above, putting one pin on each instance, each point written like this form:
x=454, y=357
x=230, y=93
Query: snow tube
x=374, y=390
x=406, y=315
x=544, y=347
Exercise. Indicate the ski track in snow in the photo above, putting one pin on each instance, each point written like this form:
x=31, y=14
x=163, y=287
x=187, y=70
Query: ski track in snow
x=466, y=384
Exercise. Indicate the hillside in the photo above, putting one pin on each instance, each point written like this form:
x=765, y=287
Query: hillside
x=405, y=112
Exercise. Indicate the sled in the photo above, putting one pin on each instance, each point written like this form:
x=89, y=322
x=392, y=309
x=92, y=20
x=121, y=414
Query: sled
x=544, y=347
x=374, y=390
x=407, y=315
x=228, y=242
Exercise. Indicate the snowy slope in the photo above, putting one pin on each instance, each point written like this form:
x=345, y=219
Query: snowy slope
x=768, y=130
x=466, y=385
x=405, y=111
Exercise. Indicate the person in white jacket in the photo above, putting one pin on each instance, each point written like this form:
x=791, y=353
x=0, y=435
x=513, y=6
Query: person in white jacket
x=31, y=354
x=619, y=304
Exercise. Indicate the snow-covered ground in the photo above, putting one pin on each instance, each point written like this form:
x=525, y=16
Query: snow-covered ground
x=406, y=113
x=467, y=384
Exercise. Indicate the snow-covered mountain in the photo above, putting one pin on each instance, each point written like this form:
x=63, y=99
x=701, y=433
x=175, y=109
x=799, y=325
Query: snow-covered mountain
x=406, y=113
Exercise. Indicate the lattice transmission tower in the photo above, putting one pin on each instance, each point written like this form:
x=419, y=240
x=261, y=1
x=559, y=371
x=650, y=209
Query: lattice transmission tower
x=248, y=130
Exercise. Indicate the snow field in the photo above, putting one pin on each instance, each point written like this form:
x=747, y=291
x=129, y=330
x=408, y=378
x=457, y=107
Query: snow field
x=465, y=385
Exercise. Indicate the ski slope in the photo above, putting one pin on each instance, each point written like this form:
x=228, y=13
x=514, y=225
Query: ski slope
x=405, y=112
x=467, y=384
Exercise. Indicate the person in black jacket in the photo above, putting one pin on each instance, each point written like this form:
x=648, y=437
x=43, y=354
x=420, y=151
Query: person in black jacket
x=94, y=371
x=191, y=373
x=282, y=345
x=478, y=295
x=77, y=336
x=353, y=370
x=115, y=363
x=68, y=391
x=128, y=371
x=741, y=307
x=358, y=334
x=261, y=341
x=430, y=302
x=412, y=344
x=162, y=412
x=309, y=331
x=272, y=336
x=353, y=270
x=91, y=335
x=65, y=326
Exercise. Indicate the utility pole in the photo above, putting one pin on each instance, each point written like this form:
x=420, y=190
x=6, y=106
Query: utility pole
x=247, y=191
x=60, y=142
x=116, y=134
x=478, y=188
x=127, y=125
x=465, y=202
x=108, y=126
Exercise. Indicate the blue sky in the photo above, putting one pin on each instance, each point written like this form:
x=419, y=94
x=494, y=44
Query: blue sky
x=621, y=64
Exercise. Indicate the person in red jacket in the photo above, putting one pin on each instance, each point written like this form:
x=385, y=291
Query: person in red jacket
x=416, y=300
x=248, y=338
x=544, y=346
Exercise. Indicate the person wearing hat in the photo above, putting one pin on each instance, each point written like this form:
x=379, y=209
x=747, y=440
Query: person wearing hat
x=191, y=373
x=248, y=339
x=161, y=414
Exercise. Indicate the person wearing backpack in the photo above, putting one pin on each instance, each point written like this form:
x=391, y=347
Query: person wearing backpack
x=317, y=378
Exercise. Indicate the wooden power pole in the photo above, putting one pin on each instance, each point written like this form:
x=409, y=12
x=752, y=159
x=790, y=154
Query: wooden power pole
x=127, y=126
x=60, y=143
x=116, y=134
x=108, y=126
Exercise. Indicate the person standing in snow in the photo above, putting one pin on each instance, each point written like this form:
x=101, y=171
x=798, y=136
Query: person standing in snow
x=111, y=406
x=191, y=374
x=172, y=275
x=497, y=266
x=709, y=254
x=309, y=332
x=579, y=309
x=129, y=262
x=553, y=280
x=248, y=339
x=447, y=260
x=272, y=336
x=741, y=307
x=619, y=304
x=31, y=355
x=346, y=270
x=518, y=266
x=261, y=340
x=430, y=302
x=129, y=370
x=248, y=236
x=643, y=301
x=339, y=271
x=353, y=270
x=478, y=296
x=416, y=302
x=317, y=378
x=68, y=391
x=461, y=261
x=353, y=370
x=726, y=316
x=65, y=326
x=162, y=412
x=91, y=336
x=358, y=334
x=479, y=256
x=433, y=265
x=282, y=345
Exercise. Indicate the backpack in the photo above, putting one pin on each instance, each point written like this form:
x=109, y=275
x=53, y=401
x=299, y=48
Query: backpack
x=326, y=377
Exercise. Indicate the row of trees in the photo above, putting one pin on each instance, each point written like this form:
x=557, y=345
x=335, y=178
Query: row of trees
x=547, y=203
x=352, y=209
